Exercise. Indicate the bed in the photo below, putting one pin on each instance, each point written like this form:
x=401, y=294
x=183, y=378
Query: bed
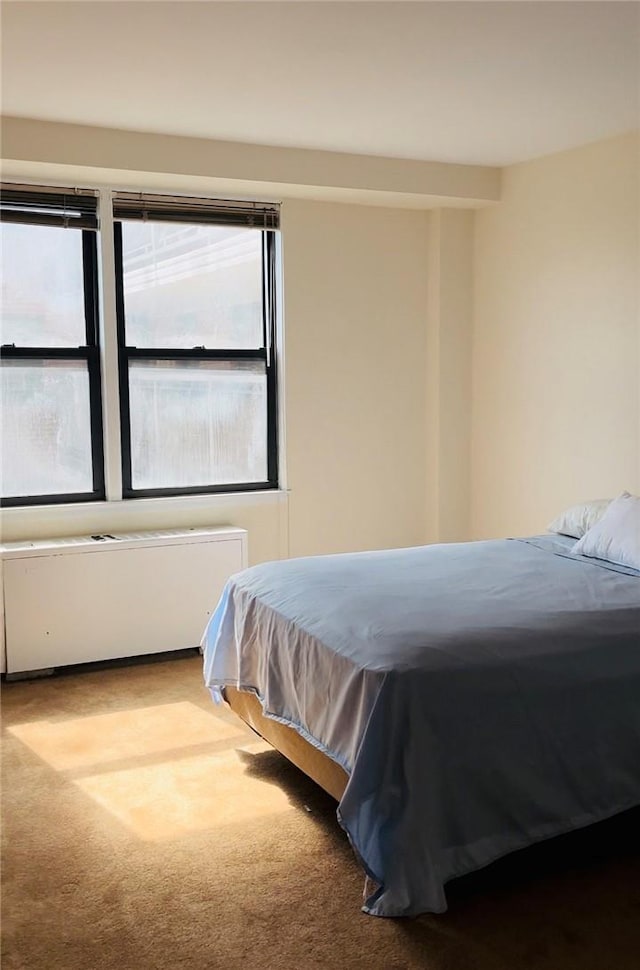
x=461, y=701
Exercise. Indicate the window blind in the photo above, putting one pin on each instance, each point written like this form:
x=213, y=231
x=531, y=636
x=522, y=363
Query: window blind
x=161, y=208
x=77, y=208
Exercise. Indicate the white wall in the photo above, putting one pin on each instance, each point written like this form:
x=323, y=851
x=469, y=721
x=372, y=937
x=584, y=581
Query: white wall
x=355, y=321
x=134, y=158
x=555, y=399
x=448, y=373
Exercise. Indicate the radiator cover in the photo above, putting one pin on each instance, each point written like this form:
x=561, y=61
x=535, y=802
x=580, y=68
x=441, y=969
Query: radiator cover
x=88, y=598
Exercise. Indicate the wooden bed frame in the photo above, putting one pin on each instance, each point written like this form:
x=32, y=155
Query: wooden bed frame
x=288, y=742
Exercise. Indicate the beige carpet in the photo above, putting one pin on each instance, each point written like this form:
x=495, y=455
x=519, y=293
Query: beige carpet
x=144, y=829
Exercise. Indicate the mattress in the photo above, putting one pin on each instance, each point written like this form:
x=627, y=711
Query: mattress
x=480, y=696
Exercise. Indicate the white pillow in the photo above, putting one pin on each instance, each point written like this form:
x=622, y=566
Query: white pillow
x=579, y=518
x=616, y=536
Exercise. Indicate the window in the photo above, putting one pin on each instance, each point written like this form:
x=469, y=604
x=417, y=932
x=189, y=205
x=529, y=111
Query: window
x=50, y=369
x=195, y=324
x=195, y=328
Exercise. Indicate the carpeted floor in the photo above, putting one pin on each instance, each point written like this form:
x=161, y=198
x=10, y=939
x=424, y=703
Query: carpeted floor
x=144, y=829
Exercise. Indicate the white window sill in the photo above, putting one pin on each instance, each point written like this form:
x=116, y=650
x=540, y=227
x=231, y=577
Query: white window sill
x=72, y=518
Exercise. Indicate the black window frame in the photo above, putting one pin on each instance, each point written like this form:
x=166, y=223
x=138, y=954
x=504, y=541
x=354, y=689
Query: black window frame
x=59, y=207
x=265, y=355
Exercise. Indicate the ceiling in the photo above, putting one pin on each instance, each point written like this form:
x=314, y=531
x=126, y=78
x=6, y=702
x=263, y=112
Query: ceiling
x=479, y=83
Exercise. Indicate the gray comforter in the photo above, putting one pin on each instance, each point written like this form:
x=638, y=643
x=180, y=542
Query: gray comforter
x=482, y=696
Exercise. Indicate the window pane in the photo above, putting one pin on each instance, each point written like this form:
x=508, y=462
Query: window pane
x=191, y=286
x=42, y=286
x=46, y=432
x=197, y=423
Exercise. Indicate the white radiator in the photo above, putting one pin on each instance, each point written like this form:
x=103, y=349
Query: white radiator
x=87, y=598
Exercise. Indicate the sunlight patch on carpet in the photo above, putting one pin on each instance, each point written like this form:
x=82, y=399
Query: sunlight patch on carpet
x=102, y=738
x=169, y=800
